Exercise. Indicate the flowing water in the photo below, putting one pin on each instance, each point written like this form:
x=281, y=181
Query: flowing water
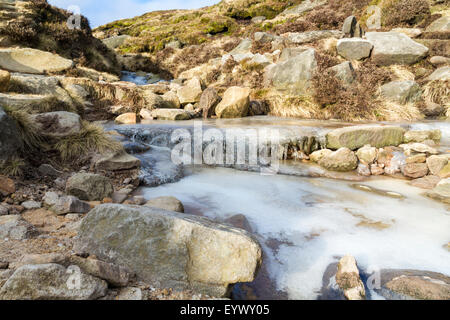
x=303, y=222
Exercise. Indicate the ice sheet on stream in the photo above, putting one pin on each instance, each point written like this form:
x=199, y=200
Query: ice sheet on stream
x=317, y=220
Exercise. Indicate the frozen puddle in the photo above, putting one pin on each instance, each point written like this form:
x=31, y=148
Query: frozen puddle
x=314, y=221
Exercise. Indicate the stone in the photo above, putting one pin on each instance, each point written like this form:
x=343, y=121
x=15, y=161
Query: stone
x=311, y=36
x=415, y=147
x=117, y=162
x=439, y=61
x=171, y=100
x=239, y=221
x=113, y=274
x=10, y=142
x=116, y=41
x=258, y=108
x=349, y=26
x=345, y=72
x=243, y=47
x=57, y=124
x=437, y=163
x=176, y=44
x=25, y=101
x=130, y=293
x=166, y=203
x=31, y=205
x=3, y=210
x=415, y=170
x=440, y=25
x=119, y=197
x=367, y=154
x=295, y=74
x=50, y=198
x=341, y=160
x=135, y=147
x=7, y=186
x=348, y=279
x=414, y=285
x=89, y=187
x=258, y=19
x=363, y=170
x=428, y=182
x=441, y=192
x=445, y=172
x=417, y=158
x=234, y=104
x=27, y=60
x=355, y=137
x=395, y=48
x=401, y=91
x=5, y=76
x=44, y=258
x=263, y=37
x=442, y=74
x=354, y=48
x=288, y=53
x=49, y=171
x=186, y=252
x=70, y=204
x=376, y=169
x=52, y=282
x=421, y=136
x=410, y=32
x=126, y=118
x=190, y=92
x=154, y=101
x=316, y=156
x=208, y=102
x=13, y=227
x=171, y=114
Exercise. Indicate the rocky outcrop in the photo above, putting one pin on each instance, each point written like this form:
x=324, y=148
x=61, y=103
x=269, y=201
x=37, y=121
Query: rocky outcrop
x=10, y=142
x=234, y=104
x=89, y=187
x=341, y=160
x=395, y=48
x=356, y=137
x=57, y=124
x=33, y=61
x=186, y=252
x=166, y=203
x=52, y=282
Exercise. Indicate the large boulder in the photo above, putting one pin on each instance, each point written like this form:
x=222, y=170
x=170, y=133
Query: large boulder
x=208, y=102
x=10, y=141
x=57, y=124
x=169, y=249
x=166, y=203
x=116, y=41
x=401, y=91
x=169, y=114
x=117, y=162
x=52, y=282
x=354, y=48
x=5, y=76
x=348, y=279
x=294, y=74
x=414, y=285
x=341, y=160
x=358, y=136
x=440, y=25
x=234, y=104
x=33, y=61
x=395, y=48
x=190, y=92
x=89, y=187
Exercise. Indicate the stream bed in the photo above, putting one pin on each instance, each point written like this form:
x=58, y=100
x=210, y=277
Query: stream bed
x=304, y=223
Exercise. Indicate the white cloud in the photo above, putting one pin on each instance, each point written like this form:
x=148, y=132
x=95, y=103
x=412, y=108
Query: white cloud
x=100, y=12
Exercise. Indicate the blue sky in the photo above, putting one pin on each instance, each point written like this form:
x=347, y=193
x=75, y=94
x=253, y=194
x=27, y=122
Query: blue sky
x=100, y=12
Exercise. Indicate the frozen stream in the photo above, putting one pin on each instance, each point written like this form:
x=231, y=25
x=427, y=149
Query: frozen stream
x=305, y=224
